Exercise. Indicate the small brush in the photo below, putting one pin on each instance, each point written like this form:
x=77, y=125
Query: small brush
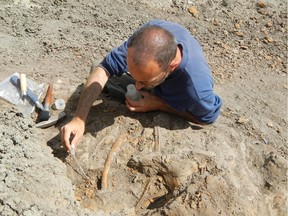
x=45, y=114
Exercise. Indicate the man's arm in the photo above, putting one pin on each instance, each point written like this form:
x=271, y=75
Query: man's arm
x=151, y=103
x=76, y=127
x=185, y=115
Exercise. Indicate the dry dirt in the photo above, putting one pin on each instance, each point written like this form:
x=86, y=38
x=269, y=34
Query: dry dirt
x=162, y=165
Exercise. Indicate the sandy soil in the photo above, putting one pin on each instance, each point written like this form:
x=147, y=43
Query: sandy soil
x=163, y=165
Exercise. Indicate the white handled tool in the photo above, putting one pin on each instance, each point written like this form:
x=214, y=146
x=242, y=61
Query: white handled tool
x=30, y=94
x=23, y=85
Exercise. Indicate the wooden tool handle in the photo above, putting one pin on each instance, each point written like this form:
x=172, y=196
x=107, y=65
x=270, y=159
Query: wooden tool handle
x=48, y=97
x=23, y=84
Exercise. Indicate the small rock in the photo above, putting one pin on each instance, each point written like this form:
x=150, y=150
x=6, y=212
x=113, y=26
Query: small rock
x=266, y=141
x=269, y=24
x=194, y=11
x=237, y=25
x=216, y=22
x=242, y=120
x=269, y=124
x=244, y=47
x=193, y=205
x=225, y=3
x=179, y=200
x=240, y=34
x=278, y=200
x=78, y=197
x=217, y=42
x=261, y=4
x=265, y=32
x=268, y=40
x=201, y=204
x=278, y=130
x=197, y=194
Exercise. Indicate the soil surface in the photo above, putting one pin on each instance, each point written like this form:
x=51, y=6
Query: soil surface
x=156, y=163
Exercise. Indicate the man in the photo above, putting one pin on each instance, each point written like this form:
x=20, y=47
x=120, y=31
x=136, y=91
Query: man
x=161, y=56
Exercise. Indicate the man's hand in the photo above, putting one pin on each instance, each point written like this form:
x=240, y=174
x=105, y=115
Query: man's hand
x=72, y=131
x=149, y=102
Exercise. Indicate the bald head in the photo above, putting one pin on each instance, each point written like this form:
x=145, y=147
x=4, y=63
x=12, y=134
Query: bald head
x=153, y=43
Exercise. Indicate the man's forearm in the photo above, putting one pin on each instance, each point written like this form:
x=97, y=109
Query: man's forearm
x=91, y=91
x=188, y=116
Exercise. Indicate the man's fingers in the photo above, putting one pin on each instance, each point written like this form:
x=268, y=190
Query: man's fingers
x=131, y=102
x=75, y=140
x=65, y=138
x=134, y=108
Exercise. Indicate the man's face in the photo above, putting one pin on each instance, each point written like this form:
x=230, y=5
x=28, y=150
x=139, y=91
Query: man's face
x=147, y=77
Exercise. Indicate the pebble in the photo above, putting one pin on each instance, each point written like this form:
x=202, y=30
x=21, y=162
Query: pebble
x=193, y=205
x=244, y=47
x=269, y=124
x=269, y=24
x=237, y=25
x=242, y=120
x=261, y=4
x=278, y=130
x=240, y=34
x=194, y=11
x=225, y=3
x=268, y=40
x=278, y=200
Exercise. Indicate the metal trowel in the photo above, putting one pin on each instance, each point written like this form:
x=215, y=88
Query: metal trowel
x=52, y=120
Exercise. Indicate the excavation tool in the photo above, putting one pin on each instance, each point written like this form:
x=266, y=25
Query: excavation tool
x=73, y=155
x=45, y=114
x=29, y=93
x=52, y=120
x=23, y=85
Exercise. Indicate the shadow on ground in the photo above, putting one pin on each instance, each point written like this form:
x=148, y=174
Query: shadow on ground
x=103, y=114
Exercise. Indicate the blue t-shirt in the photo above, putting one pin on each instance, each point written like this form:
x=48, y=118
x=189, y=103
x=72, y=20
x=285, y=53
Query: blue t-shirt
x=187, y=89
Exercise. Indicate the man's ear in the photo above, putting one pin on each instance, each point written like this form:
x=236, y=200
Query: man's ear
x=173, y=64
x=176, y=61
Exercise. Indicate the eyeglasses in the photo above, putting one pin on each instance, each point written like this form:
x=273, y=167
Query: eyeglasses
x=160, y=79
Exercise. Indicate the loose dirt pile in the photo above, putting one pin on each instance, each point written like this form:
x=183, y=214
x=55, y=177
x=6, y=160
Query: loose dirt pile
x=155, y=163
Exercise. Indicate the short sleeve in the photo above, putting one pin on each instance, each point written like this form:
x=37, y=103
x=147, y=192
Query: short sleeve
x=115, y=61
x=207, y=109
